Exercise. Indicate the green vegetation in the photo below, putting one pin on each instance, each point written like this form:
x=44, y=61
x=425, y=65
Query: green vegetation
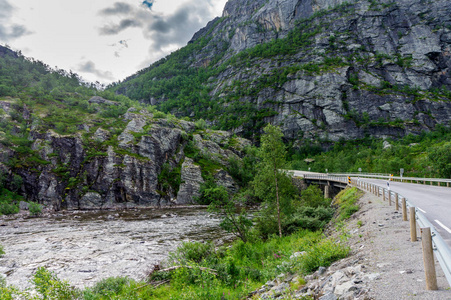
x=43, y=100
x=34, y=208
x=423, y=155
x=201, y=271
x=270, y=184
x=9, y=202
x=2, y=251
x=346, y=202
x=185, y=85
x=263, y=251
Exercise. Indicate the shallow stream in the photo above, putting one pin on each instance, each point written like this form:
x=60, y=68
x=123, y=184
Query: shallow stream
x=85, y=247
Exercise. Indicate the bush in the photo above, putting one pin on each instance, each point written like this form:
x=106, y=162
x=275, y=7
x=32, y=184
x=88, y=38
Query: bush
x=313, y=197
x=2, y=251
x=346, y=201
x=111, y=286
x=16, y=182
x=159, y=115
x=51, y=287
x=191, y=252
x=201, y=124
x=322, y=255
x=34, y=208
x=310, y=218
x=441, y=159
x=8, y=208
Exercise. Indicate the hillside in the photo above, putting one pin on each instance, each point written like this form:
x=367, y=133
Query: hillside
x=66, y=145
x=321, y=69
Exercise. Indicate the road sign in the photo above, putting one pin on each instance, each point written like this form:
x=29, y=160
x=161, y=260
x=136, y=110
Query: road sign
x=360, y=169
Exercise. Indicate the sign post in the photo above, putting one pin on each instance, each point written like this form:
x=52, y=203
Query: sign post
x=401, y=171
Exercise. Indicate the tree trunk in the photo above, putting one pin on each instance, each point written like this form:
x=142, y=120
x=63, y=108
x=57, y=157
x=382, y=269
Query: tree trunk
x=278, y=205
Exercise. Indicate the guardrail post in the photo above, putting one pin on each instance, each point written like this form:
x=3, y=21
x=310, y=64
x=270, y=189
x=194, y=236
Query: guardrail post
x=428, y=259
x=413, y=225
x=389, y=198
x=447, y=184
x=383, y=194
x=378, y=192
x=404, y=209
x=396, y=201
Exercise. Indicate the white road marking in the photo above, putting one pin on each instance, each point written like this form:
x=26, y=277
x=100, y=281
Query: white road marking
x=421, y=210
x=444, y=227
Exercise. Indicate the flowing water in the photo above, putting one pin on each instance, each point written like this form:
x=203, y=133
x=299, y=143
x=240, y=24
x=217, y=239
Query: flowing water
x=85, y=247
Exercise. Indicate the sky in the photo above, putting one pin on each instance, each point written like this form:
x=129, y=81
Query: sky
x=102, y=40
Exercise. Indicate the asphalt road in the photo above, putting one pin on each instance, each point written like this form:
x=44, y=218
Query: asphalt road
x=433, y=201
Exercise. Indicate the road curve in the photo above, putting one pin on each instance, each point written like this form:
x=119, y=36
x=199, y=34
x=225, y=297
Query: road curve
x=433, y=201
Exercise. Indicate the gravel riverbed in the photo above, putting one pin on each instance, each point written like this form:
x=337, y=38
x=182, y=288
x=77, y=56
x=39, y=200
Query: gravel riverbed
x=85, y=247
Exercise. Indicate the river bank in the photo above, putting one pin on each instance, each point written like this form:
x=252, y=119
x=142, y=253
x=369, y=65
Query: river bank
x=87, y=246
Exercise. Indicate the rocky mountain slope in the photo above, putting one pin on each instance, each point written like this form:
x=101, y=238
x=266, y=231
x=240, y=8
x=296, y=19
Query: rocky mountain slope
x=322, y=69
x=64, y=147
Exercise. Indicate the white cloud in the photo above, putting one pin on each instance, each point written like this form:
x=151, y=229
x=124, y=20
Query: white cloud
x=66, y=31
x=9, y=32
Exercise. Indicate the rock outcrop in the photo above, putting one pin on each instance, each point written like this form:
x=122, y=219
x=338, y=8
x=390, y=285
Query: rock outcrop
x=323, y=69
x=136, y=161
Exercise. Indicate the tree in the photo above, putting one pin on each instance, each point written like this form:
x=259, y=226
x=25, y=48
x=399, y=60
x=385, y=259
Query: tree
x=441, y=159
x=234, y=217
x=270, y=182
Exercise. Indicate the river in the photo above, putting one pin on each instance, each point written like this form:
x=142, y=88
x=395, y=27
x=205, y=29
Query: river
x=85, y=247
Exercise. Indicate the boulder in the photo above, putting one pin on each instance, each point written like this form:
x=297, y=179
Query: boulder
x=100, y=100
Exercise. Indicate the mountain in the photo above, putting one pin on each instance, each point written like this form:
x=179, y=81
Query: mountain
x=321, y=69
x=67, y=145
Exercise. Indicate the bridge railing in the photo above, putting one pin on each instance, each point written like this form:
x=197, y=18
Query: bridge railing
x=431, y=181
x=440, y=248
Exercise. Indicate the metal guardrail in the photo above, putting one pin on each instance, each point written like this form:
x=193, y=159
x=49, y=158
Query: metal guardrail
x=440, y=248
x=397, y=178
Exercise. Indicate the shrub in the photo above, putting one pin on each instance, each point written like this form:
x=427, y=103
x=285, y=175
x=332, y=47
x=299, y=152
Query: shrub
x=346, y=201
x=2, y=251
x=310, y=218
x=51, y=287
x=111, y=286
x=8, y=208
x=313, y=197
x=159, y=115
x=441, y=159
x=191, y=252
x=322, y=255
x=16, y=182
x=34, y=208
x=201, y=124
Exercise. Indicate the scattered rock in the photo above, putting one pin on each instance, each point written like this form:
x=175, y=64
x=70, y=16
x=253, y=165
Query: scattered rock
x=23, y=205
x=100, y=100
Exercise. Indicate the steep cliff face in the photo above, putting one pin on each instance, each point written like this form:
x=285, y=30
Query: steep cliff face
x=137, y=160
x=322, y=69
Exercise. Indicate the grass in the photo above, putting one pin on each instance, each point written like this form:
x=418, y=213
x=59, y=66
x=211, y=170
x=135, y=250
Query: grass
x=346, y=201
x=238, y=269
x=204, y=271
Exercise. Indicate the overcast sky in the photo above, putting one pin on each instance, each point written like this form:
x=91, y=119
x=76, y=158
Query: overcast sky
x=102, y=40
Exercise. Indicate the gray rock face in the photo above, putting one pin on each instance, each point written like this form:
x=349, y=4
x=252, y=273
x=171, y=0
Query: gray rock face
x=131, y=168
x=100, y=100
x=191, y=181
x=395, y=53
x=224, y=179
